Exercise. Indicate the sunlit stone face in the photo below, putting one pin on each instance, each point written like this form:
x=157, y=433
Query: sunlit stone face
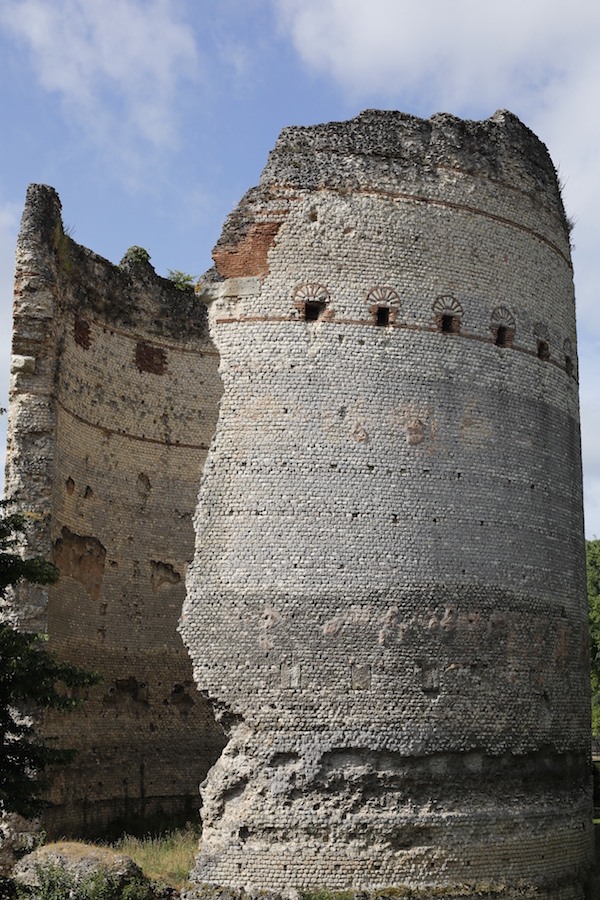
x=387, y=601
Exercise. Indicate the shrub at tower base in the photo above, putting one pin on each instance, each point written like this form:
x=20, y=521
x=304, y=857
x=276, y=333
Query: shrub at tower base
x=387, y=604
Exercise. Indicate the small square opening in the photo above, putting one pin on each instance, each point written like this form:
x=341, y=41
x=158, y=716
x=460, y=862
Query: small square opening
x=383, y=315
x=449, y=324
x=543, y=351
x=313, y=309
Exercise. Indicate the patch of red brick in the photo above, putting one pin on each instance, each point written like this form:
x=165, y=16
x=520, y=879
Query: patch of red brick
x=249, y=256
x=81, y=333
x=150, y=359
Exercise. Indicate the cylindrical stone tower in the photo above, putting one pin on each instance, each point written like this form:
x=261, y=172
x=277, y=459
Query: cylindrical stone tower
x=387, y=602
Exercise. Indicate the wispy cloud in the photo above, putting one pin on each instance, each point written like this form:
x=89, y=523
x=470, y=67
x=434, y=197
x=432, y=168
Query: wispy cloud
x=536, y=58
x=440, y=51
x=116, y=64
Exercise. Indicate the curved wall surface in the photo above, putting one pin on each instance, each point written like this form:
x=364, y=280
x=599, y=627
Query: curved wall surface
x=120, y=377
x=387, y=602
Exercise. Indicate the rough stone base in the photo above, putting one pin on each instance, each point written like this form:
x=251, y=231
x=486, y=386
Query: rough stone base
x=307, y=810
x=524, y=891
x=17, y=836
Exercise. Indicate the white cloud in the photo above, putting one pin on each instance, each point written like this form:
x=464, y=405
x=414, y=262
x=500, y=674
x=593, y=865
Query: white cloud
x=115, y=63
x=538, y=58
x=449, y=52
x=565, y=120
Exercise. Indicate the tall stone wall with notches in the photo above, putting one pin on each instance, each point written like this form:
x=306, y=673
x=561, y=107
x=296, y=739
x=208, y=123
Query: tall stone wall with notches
x=113, y=403
x=387, y=604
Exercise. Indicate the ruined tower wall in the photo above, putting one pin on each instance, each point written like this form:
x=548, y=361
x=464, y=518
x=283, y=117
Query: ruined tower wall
x=110, y=419
x=388, y=593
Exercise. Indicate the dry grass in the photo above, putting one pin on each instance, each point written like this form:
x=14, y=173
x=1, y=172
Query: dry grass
x=68, y=854
x=167, y=858
x=74, y=850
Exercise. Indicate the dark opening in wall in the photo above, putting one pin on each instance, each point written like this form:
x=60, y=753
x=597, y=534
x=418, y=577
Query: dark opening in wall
x=569, y=366
x=449, y=324
x=543, y=351
x=383, y=315
x=313, y=310
x=503, y=326
x=502, y=336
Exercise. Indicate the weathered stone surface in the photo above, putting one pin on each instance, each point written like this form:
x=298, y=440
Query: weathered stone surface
x=483, y=892
x=17, y=836
x=107, y=436
x=387, y=606
x=78, y=860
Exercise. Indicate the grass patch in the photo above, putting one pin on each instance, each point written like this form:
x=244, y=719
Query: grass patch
x=167, y=857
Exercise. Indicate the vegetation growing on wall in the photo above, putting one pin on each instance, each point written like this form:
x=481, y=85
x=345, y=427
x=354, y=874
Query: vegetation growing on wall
x=137, y=255
x=181, y=280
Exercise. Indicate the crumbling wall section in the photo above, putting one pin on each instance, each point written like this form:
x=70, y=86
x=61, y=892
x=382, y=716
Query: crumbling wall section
x=32, y=416
x=109, y=427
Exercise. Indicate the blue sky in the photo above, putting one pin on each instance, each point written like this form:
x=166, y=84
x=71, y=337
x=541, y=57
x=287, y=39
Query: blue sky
x=153, y=117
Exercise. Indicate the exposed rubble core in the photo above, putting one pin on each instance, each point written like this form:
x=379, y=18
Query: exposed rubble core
x=387, y=605
x=113, y=403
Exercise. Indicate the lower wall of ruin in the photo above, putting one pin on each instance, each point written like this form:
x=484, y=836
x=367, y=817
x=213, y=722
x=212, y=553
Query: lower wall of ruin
x=135, y=735
x=122, y=502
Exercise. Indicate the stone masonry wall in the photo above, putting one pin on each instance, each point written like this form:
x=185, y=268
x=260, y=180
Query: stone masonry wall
x=387, y=605
x=113, y=403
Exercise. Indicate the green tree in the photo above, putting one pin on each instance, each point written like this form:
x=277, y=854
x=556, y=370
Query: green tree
x=181, y=280
x=31, y=680
x=592, y=552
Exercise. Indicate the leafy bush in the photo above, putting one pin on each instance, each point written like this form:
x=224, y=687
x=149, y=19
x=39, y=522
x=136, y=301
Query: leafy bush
x=137, y=255
x=181, y=280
